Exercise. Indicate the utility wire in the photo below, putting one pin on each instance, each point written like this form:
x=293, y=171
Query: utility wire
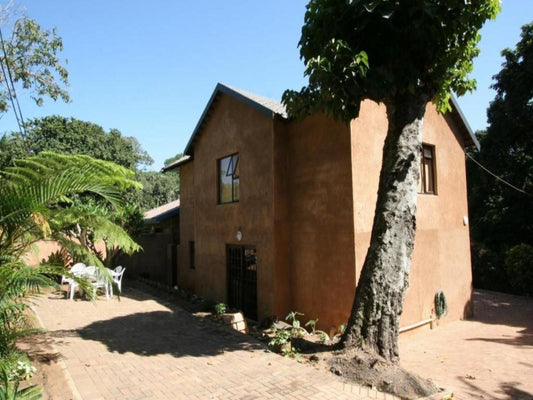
x=6, y=71
x=497, y=177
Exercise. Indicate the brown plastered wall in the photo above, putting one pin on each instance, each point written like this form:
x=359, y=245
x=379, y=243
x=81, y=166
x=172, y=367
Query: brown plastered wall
x=441, y=258
x=186, y=276
x=231, y=127
x=40, y=252
x=154, y=261
x=321, y=235
x=281, y=272
x=43, y=249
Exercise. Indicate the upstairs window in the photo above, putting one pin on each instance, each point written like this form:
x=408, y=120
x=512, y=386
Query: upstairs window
x=228, y=179
x=427, y=182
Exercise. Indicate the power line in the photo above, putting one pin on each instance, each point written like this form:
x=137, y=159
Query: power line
x=497, y=177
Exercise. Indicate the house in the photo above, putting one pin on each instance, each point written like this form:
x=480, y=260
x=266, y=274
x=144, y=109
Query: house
x=158, y=259
x=276, y=214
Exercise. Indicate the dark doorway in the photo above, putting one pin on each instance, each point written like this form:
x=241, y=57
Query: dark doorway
x=242, y=279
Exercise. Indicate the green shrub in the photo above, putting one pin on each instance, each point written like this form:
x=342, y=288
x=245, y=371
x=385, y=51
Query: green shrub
x=220, y=308
x=282, y=337
x=519, y=267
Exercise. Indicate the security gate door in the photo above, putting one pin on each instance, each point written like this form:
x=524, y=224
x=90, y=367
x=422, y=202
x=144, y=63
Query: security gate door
x=242, y=280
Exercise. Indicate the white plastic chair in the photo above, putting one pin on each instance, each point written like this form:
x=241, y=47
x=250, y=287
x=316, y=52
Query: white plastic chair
x=73, y=270
x=100, y=281
x=77, y=270
x=118, y=272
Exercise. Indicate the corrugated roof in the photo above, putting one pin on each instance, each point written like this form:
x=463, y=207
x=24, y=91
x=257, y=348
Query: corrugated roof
x=162, y=212
x=274, y=106
x=176, y=164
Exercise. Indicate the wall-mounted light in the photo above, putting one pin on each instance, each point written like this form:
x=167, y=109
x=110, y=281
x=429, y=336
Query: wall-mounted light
x=465, y=220
x=238, y=235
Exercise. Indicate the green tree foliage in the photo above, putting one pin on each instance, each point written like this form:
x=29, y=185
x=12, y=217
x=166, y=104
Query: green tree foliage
x=72, y=136
x=36, y=203
x=158, y=188
x=403, y=54
x=502, y=216
x=172, y=159
x=32, y=55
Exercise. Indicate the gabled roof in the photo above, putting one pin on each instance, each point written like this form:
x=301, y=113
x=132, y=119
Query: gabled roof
x=161, y=213
x=272, y=109
x=267, y=107
x=467, y=132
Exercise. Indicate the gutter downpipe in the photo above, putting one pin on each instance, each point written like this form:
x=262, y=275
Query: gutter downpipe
x=416, y=325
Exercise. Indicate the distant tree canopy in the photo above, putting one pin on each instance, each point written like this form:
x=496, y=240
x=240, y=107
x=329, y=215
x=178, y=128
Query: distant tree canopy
x=158, y=188
x=172, y=159
x=502, y=217
x=72, y=136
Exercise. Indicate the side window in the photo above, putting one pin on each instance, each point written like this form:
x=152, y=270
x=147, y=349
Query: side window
x=228, y=179
x=427, y=182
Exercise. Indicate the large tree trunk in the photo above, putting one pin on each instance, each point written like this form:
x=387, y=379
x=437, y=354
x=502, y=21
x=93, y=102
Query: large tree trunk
x=374, y=320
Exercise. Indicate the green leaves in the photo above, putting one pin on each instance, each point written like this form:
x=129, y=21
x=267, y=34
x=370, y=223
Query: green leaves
x=501, y=216
x=380, y=49
x=72, y=136
x=32, y=56
x=34, y=193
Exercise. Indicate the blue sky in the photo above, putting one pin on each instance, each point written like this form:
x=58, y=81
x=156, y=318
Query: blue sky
x=149, y=70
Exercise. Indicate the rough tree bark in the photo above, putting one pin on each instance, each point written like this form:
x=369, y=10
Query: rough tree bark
x=378, y=303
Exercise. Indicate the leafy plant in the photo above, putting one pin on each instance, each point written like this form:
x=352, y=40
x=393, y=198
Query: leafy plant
x=297, y=330
x=323, y=336
x=281, y=338
x=9, y=389
x=220, y=308
x=312, y=324
x=24, y=370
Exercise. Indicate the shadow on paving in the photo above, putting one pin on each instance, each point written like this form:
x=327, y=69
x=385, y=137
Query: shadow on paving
x=510, y=389
x=175, y=332
x=505, y=309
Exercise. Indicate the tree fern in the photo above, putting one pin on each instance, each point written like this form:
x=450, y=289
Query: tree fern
x=40, y=200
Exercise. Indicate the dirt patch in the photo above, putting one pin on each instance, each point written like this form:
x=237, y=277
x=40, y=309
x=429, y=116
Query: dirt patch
x=50, y=375
x=370, y=370
x=364, y=368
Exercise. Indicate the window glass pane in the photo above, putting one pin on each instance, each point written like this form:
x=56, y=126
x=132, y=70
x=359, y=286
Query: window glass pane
x=231, y=166
x=236, y=164
x=426, y=183
x=225, y=186
x=236, y=189
x=430, y=188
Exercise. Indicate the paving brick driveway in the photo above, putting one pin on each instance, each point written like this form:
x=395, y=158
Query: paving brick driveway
x=140, y=348
x=488, y=358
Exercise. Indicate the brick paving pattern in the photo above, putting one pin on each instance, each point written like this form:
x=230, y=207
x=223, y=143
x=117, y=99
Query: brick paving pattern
x=139, y=348
x=488, y=358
